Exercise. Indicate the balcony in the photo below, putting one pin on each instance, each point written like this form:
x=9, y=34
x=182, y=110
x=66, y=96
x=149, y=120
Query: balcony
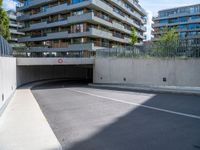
x=104, y=7
x=48, y=36
x=53, y=10
x=23, y=17
x=175, y=16
x=92, y=32
x=108, y=9
x=11, y=16
x=140, y=36
x=122, y=5
x=45, y=24
x=143, y=28
x=106, y=35
x=113, y=24
x=82, y=46
x=189, y=21
x=14, y=31
x=15, y=25
x=137, y=6
x=118, y=25
x=32, y=4
x=13, y=39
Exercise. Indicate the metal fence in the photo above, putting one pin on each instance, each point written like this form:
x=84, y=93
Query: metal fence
x=182, y=50
x=23, y=52
x=151, y=51
x=5, y=48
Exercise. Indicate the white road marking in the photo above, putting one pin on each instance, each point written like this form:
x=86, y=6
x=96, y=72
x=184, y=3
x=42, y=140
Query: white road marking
x=139, y=105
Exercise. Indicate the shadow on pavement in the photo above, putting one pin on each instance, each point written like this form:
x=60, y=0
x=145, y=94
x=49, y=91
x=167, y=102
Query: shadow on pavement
x=143, y=129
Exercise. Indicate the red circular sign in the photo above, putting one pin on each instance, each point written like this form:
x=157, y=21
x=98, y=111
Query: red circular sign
x=60, y=61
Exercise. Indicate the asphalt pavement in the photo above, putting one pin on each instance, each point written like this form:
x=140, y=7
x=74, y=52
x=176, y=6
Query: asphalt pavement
x=84, y=118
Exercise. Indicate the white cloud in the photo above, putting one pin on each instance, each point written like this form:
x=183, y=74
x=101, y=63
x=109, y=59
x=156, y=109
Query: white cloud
x=149, y=25
x=9, y=4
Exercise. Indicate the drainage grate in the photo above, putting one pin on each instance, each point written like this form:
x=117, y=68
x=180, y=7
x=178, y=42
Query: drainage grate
x=2, y=97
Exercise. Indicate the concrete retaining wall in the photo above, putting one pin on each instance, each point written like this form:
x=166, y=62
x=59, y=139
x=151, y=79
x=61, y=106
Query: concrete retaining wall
x=178, y=72
x=26, y=74
x=7, y=79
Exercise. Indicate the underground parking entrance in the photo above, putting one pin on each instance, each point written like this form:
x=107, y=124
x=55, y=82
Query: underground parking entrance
x=75, y=73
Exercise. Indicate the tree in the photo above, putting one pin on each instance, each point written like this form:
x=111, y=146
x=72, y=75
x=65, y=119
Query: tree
x=168, y=42
x=134, y=38
x=4, y=23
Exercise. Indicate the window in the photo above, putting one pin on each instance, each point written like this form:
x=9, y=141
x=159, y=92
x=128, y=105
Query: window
x=44, y=8
x=78, y=12
x=173, y=20
x=195, y=17
x=164, y=21
x=183, y=19
x=76, y=1
x=192, y=33
x=27, y=2
x=183, y=34
x=78, y=40
x=192, y=26
x=77, y=28
x=182, y=26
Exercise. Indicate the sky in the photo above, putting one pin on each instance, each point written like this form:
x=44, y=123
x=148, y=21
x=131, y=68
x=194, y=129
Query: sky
x=9, y=4
x=152, y=6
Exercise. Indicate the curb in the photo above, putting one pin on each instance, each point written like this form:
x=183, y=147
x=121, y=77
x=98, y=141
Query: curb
x=34, y=84
x=148, y=89
x=26, y=86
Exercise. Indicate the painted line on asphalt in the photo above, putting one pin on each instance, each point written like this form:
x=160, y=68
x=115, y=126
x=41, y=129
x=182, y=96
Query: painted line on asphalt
x=139, y=105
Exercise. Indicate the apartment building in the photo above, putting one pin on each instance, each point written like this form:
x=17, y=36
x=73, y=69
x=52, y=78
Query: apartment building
x=186, y=20
x=14, y=26
x=79, y=27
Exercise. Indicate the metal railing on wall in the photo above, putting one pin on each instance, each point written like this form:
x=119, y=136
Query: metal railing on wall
x=5, y=48
x=151, y=51
x=68, y=54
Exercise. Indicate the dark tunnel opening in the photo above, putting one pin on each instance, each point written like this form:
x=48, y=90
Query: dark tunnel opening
x=75, y=73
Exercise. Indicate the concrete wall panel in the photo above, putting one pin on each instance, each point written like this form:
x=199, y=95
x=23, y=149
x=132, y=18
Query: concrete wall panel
x=7, y=79
x=147, y=71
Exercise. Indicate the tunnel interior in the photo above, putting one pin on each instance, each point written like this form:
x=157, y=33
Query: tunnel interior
x=76, y=73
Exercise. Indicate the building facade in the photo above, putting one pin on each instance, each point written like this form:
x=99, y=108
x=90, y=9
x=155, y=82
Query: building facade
x=186, y=21
x=79, y=27
x=14, y=27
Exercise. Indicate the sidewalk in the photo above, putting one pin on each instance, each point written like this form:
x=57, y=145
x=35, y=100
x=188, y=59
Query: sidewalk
x=24, y=127
x=162, y=89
